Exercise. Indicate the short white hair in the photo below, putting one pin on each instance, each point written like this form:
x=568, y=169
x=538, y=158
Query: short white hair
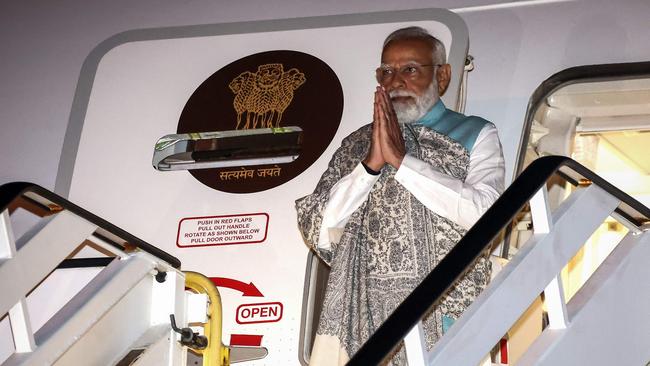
x=439, y=53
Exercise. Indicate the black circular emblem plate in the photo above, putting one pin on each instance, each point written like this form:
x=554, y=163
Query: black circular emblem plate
x=271, y=89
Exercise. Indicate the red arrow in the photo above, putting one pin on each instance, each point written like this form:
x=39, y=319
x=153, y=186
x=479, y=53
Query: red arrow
x=247, y=289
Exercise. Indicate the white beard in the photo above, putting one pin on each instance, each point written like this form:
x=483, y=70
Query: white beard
x=411, y=112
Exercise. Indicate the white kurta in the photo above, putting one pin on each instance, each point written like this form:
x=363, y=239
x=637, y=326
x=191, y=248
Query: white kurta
x=458, y=201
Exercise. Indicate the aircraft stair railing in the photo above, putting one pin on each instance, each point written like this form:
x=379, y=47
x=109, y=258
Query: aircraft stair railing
x=116, y=313
x=604, y=323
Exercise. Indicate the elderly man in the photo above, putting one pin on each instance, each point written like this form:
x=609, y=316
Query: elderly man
x=397, y=196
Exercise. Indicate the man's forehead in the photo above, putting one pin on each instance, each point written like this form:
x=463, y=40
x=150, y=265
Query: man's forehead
x=402, y=62
x=405, y=50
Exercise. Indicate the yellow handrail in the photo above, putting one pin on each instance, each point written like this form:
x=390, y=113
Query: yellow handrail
x=216, y=354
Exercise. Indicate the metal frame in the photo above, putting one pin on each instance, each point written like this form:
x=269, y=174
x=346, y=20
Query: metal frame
x=535, y=269
x=128, y=299
x=551, y=245
x=45, y=203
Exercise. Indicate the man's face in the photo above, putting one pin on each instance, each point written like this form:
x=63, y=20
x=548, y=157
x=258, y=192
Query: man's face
x=407, y=73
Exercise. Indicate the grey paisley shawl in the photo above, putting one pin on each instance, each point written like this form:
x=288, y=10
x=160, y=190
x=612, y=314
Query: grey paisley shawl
x=388, y=246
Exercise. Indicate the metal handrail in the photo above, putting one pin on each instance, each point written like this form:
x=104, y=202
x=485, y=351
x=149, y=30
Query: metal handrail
x=391, y=332
x=43, y=203
x=216, y=354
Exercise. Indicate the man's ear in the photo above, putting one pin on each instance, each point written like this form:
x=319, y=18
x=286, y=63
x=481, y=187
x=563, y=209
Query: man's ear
x=443, y=76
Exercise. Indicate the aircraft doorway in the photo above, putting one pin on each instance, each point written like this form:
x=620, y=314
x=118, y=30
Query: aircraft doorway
x=599, y=116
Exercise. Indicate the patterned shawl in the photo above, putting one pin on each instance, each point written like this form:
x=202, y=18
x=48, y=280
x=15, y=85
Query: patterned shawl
x=388, y=246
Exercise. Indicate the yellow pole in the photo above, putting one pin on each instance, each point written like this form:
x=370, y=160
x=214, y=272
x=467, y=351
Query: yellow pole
x=216, y=354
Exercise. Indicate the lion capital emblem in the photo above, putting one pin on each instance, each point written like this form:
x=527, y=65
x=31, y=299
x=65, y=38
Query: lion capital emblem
x=262, y=97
